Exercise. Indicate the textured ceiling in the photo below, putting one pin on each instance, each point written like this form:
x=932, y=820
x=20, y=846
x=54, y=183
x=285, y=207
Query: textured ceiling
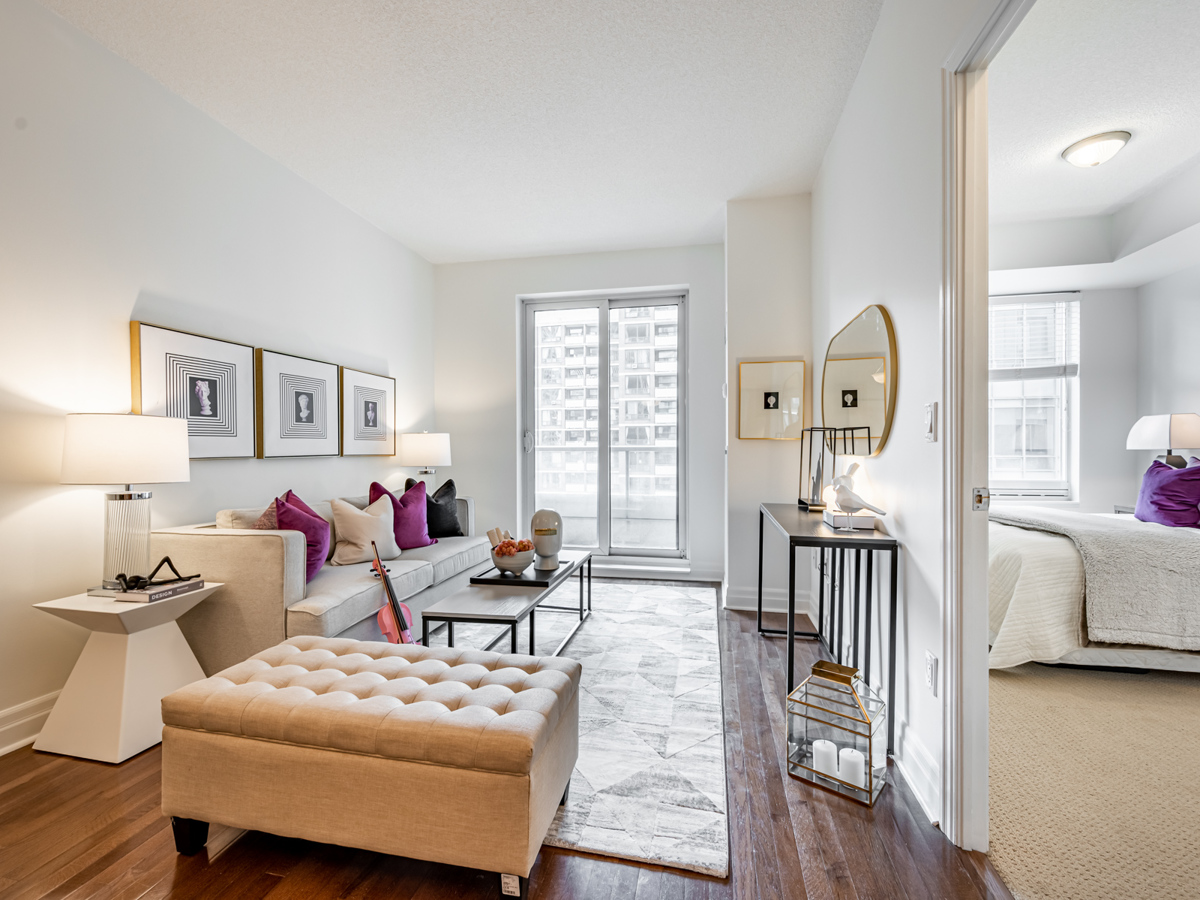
x=1078, y=67
x=473, y=130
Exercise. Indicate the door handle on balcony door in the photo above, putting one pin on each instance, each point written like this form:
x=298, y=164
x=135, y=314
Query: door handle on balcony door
x=527, y=442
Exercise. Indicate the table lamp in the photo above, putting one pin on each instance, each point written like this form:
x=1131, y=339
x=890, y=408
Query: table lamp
x=103, y=448
x=1166, y=432
x=425, y=450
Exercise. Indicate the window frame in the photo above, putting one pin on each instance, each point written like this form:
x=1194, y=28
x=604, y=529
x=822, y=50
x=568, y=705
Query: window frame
x=606, y=303
x=1067, y=488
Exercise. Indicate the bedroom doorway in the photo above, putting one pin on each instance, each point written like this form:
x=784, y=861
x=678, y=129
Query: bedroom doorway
x=1074, y=345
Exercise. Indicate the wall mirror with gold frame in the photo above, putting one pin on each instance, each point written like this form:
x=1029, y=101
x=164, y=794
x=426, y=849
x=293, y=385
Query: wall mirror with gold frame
x=858, y=384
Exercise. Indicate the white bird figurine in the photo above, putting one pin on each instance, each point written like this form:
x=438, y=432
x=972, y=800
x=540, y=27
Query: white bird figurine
x=847, y=500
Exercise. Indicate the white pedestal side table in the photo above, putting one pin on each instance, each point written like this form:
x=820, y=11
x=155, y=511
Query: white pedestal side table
x=110, y=708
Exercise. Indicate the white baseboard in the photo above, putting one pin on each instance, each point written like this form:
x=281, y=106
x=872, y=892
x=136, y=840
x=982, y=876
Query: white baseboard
x=21, y=724
x=920, y=769
x=651, y=569
x=774, y=600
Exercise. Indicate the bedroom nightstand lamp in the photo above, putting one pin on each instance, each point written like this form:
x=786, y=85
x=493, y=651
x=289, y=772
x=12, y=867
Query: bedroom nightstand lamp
x=103, y=448
x=1178, y=431
x=424, y=450
x=837, y=733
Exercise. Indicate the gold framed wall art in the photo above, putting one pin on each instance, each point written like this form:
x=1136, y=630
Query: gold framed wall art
x=772, y=399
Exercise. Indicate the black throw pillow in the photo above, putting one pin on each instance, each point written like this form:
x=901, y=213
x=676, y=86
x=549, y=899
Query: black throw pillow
x=441, y=510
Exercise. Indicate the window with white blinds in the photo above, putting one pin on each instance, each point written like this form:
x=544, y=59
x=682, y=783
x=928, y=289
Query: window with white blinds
x=1033, y=377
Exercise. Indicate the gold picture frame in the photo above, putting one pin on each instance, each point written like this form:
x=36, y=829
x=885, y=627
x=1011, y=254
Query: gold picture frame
x=772, y=399
x=209, y=382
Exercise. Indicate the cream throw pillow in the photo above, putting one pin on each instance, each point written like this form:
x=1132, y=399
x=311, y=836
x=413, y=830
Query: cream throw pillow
x=356, y=528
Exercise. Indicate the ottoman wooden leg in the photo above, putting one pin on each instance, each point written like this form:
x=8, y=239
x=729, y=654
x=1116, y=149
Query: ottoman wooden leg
x=514, y=886
x=190, y=835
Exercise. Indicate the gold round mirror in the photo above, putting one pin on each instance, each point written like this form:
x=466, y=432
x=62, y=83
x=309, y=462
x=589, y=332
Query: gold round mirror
x=858, y=384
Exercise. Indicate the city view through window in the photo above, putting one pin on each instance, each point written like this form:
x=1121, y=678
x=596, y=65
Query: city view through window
x=627, y=403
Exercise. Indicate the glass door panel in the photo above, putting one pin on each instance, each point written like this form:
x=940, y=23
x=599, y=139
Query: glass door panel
x=566, y=433
x=643, y=419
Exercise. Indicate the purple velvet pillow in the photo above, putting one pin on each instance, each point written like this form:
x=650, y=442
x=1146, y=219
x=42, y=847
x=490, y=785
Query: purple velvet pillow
x=1170, y=496
x=409, y=517
x=293, y=514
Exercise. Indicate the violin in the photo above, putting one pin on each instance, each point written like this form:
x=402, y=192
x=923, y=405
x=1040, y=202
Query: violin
x=394, y=617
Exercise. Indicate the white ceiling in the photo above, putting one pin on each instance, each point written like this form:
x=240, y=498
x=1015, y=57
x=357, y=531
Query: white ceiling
x=1078, y=67
x=493, y=129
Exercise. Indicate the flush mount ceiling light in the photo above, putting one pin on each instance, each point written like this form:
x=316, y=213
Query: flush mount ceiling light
x=1099, y=148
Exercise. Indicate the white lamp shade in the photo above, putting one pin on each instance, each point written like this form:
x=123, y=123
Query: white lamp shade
x=1178, y=431
x=424, y=449
x=124, y=449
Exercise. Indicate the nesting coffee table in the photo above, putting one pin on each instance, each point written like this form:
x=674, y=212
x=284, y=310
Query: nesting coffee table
x=507, y=600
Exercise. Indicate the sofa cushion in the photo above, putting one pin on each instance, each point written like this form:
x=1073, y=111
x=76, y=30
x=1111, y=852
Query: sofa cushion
x=359, y=529
x=452, y=707
x=452, y=555
x=246, y=518
x=340, y=596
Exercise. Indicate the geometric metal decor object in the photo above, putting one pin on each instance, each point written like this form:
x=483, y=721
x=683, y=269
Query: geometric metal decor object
x=368, y=414
x=837, y=733
x=208, y=382
x=298, y=406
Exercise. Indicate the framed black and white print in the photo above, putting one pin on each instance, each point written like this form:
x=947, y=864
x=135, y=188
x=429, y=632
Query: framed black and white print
x=771, y=399
x=207, y=381
x=298, y=408
x=368, y=414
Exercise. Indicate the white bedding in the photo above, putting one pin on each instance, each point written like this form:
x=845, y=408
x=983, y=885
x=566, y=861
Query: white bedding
x=1035, y=596
x=1036, y=607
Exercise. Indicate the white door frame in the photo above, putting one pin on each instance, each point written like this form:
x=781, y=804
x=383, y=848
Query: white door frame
x=964, y=816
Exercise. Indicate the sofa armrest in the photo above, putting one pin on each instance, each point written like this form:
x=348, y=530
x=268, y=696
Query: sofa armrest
x=263, y=572
x=466, y=515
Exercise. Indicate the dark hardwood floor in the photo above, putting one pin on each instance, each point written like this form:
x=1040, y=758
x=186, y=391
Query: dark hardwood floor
x=76, y=829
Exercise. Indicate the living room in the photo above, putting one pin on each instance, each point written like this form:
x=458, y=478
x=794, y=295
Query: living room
x=401, y=193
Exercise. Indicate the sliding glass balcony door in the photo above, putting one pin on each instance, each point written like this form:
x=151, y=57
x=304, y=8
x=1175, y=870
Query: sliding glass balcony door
x=604, y=381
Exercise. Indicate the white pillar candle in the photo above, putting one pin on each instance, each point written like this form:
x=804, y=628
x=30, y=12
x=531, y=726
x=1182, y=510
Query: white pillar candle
x=852, y=765
x=825, y=758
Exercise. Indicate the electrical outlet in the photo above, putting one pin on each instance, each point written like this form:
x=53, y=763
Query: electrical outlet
x=931, y=672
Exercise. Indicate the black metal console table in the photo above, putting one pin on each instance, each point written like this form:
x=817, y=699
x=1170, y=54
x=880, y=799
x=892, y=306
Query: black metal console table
x=806, y=529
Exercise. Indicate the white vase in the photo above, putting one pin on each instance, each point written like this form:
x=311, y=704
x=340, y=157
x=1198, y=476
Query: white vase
x=545, y=528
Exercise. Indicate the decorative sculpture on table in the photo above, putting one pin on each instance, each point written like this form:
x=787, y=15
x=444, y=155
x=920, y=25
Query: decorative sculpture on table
x=850, y=504
x=546, y=528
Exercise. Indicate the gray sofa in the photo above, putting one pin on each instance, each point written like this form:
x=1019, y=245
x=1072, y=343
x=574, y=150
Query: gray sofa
x=265, y=599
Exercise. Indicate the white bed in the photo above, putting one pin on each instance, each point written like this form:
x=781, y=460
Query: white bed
x=1036, y=606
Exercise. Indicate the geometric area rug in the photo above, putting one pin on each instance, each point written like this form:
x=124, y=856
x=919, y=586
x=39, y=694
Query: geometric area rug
x=650, y=781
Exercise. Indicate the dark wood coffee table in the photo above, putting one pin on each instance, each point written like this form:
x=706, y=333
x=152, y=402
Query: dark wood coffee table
x=506, y=601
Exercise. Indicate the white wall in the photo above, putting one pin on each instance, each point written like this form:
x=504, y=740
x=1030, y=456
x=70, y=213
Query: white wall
x=1108, y=387
x=768, y=283
x=477, y=374
x=877, y=238
x=1169, y=334
x=123, y=202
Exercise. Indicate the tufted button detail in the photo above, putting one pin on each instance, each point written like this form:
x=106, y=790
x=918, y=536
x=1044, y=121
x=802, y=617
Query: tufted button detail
x=445, y=706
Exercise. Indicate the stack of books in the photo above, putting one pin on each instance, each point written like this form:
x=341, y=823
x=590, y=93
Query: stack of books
x=151, y=593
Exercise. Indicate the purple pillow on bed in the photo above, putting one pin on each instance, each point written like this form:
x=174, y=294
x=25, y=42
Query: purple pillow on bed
x=1170, y=496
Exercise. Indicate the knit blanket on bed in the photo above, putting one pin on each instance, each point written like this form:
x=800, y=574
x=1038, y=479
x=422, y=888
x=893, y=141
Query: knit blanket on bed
x=1141, y=580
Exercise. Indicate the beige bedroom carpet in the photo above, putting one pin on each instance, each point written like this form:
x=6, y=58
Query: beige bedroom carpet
x=1095, y=784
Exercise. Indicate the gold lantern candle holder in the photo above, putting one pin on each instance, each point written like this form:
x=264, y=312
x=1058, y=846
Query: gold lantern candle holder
x=837, y=733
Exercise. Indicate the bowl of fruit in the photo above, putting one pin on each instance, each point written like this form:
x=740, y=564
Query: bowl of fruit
x=513, y=556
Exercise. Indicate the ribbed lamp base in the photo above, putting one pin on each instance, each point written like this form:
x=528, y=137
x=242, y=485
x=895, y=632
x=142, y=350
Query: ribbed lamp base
x=126, y=536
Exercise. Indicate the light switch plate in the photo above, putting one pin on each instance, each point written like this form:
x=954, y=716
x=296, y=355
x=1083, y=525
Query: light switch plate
x=931, y=672
x=931, y=424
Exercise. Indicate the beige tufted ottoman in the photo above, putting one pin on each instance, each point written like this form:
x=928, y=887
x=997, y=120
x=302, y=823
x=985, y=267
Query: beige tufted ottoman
x=449, y=755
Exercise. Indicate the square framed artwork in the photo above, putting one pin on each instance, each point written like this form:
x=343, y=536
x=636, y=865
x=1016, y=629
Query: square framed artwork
x=298, y=406
x=368, y=414
x=771, y=400
x=208, y=382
